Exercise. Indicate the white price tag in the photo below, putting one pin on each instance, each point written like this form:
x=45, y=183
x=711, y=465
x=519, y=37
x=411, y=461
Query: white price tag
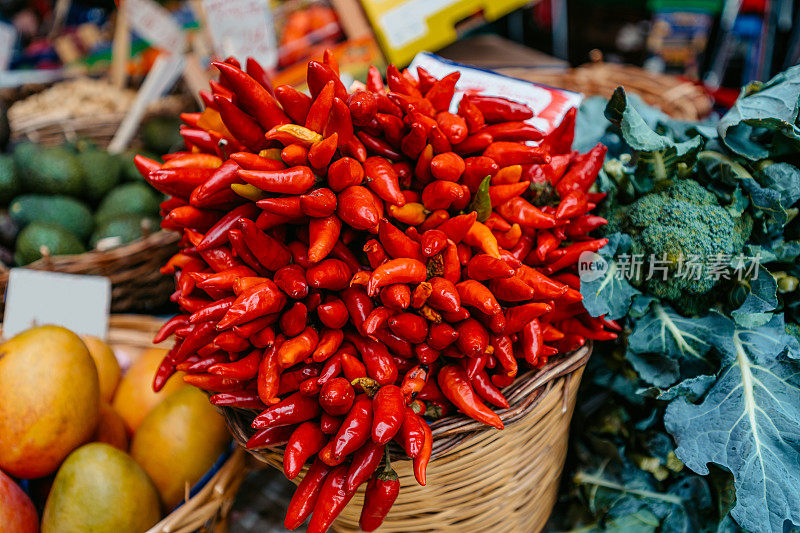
x=37, y=298
x=549, y=104
x=155, y=24
x=242, y=29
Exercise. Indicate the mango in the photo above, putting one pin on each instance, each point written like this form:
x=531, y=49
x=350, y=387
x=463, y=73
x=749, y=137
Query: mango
x=49, y=400
x=179, y=441
x=111, y=428
x=100, y=489
x=135, y=396
x=17, y=513
x=106, y=363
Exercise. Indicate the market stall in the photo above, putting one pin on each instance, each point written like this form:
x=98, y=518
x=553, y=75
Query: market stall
x=475, y=291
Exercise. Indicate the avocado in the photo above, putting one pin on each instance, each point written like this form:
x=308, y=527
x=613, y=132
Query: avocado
x=9, y=179
x=131, y=198
x=37, y=235
x=161, y=134
x=124, y=228
x=102, y=171
x=56, y=170
x=25, y=155
x=69, y=213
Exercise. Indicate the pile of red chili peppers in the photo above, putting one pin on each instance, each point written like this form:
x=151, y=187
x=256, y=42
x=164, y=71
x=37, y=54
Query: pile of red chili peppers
x=353, y=263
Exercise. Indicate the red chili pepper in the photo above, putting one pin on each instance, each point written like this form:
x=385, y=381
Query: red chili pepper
x=396, y=271
x=396, y=296
x=376, y=358
x=583, y=225
x=179, y=182
x=269, y=437
x=498, y=109
x=270, y=252
x=531, y=341
x=212, y=383
x=321, y=153
x=363, y=106
x=583, y=171
x=442, y=91
x=355, y=429
x=411, y=435
x=304, y=443
x=339, y=122
x=409, y=326
x=329, y=342
x=421, y=461
x=357, y=209
x=257, y=301
x=504, y=353
x=381, y=493
x=268, y=378
x=318, y=203
x=336, y=396
x=574, y=203
x=306, y=495
x=422, y=170
x=454, y=384
x=294, y=180
x=559, y=141
x=295, y=103
x=375, y=80
x=254, y=98
x=388, y=407
x=298, y=348
x=506, y=153
x=572, y=253
x=291, y=279
x=378, y=146
x=333, y=497
x=442, y=335
x=295, y=154
x=319, y=75
x=295, y=409
x=365, y=461
x=333, y=313
x=414, y=141
x=169, y=327
x=514, y=131
x=396, y=243
x=243, y=127
x=332, y=274
x=383, y=180
x=286, y=206
x=441, y=194
x=359, y=305
x=257, y=72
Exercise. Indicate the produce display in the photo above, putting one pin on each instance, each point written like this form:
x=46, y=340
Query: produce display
x=76, y=197
x=353, y=263
x=691, y=424
x=67, y=411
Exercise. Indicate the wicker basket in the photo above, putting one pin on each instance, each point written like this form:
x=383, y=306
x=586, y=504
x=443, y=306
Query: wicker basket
x=208, y=508
x=678, y=98
x=479, y=479
x=136, y=282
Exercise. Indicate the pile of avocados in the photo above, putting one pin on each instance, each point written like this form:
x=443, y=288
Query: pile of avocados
x=76, y=197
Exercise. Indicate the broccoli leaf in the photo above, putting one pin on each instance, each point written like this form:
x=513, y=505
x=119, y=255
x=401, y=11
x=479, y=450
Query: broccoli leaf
x=761, y=298
x=634, y=129
x=680, y=343
x=692, y=389
x=610, y=294
x=721, y=167
x=748, y=423
x=784, y=178
x=774, y=106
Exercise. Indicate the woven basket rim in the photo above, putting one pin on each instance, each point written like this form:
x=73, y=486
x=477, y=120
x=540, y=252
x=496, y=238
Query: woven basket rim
x=523, y=396
x=157, y=239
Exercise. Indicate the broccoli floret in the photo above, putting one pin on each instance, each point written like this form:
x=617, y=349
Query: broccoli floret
x=682, y=227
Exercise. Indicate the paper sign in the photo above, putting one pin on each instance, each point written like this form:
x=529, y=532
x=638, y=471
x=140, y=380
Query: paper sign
x=155, y=24
x=8, y=37
x=549, y=104
x=38, y=297
x=242, y=29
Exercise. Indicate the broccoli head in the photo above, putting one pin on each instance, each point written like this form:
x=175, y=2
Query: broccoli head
x=685, y=232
